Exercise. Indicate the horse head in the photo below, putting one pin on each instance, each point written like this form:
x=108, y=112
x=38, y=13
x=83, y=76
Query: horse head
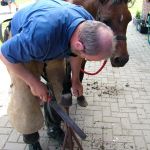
x=115, y=14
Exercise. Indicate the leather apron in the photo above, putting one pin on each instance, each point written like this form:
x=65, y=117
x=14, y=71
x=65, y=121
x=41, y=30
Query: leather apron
x=24, y=110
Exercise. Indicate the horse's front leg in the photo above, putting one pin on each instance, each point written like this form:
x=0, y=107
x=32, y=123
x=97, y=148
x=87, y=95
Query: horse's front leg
x=67, y=83
x=82, y=67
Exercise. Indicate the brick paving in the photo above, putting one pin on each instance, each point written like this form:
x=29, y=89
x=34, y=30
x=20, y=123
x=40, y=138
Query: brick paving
x=118, y=114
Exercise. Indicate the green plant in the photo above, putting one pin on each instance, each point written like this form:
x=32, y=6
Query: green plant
x=137, y=6
x=138, y=14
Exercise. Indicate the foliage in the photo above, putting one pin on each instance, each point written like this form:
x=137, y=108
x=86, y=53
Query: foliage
x=137, y=6
x=138, y=14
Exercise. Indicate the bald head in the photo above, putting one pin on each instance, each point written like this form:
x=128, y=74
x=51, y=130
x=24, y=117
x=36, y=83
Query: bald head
x=96, y=37
x=106, y=40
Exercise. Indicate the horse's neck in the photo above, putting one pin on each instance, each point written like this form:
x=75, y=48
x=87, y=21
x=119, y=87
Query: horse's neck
x=90, y=5
x=79, y=2
x=71, y=1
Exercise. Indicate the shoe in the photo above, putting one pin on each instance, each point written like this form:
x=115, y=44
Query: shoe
x=82, y=101
x=56, y=133
x=35, y=146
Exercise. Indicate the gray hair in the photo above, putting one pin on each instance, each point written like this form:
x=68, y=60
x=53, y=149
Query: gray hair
x=89, y=36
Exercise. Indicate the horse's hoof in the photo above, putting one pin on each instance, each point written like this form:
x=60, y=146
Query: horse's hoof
x=82, y=101
x=56, y=133
x=35, y=146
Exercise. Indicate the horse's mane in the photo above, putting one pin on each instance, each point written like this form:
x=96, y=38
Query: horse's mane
x=120, y=1
x=116, y=1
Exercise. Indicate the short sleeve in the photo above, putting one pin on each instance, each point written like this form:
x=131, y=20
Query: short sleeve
x=25, y=46
x=15, y=50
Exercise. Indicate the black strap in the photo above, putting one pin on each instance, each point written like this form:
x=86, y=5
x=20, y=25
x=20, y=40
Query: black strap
x=121, y=37
x=73, y=55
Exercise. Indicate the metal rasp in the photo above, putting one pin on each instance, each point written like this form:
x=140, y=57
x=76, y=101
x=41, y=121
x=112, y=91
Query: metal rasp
x=60, y=112
x=67, y=119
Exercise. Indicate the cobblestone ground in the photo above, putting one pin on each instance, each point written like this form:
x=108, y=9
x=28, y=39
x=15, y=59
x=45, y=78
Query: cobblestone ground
x=118, y=114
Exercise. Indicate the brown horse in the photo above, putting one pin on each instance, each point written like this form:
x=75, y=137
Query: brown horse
x=115, y=14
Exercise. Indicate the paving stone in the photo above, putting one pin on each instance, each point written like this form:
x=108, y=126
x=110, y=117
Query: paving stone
x=139, y=143
x=103, y=125
x=106, y=111
x=20, y=140
x=93, y=130
x=135, y=132
x=140, y=126
x=88, y=122
x=147, y=135
x=121, y=138
x=119, y=115
x=111, y=119
x=14, y=146
x=122, y=102
x=97, y=116
x=141, y=113
x=105, y=104
x=148, y=146
x=3, y=140
x=125, y=123
x=133, y=118
x=107, y=134
x=5, y=130
x=14, y=136
x=114, y=107
x=117, y=129
x=3, y=121
x=125, y=110
x=84, y=112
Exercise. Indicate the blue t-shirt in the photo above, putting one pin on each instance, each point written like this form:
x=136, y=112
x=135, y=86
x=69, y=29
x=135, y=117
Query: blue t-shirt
x=42, y=31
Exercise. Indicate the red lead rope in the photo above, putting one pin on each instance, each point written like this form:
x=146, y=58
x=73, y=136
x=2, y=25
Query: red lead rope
x=94, y=73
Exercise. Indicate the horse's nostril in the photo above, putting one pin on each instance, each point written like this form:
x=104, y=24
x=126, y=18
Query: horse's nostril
x=117, y=60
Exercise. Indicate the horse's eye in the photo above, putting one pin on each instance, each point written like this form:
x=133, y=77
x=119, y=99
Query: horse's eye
x=107, y=22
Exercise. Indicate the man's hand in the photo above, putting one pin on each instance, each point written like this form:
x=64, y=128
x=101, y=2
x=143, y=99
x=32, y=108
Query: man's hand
x=77, y=88
x=37, y=87
x=40, y=90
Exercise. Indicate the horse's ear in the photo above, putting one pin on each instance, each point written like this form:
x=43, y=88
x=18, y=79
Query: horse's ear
x=103, y=1
x=127, y=1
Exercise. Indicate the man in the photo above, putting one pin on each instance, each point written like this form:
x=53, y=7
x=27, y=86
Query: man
x=47, y=32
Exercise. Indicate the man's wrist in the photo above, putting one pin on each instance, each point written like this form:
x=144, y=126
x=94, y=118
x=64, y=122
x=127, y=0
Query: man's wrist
x=76, y=80
x=31, y=80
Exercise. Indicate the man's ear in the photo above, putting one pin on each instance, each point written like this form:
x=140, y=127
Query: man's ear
x=79, y=46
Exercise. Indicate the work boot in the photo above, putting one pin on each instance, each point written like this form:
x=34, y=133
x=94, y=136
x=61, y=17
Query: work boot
x=56, y=133
x=35, y=146
x=82, y=101
x=32, y=140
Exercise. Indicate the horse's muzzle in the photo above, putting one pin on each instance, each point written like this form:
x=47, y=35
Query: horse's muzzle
x=119, y=61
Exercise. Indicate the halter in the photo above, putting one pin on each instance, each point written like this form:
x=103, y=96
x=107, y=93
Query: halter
x=120, y=37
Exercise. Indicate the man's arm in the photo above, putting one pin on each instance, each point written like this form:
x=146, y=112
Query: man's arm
x=76, y=84
x=36, y=86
